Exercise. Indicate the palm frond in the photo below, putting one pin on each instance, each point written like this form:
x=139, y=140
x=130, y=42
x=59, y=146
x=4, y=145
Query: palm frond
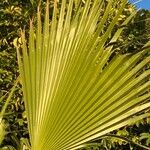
x=74, y=91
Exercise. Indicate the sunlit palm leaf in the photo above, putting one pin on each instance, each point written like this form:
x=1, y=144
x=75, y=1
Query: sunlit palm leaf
x=74, y=91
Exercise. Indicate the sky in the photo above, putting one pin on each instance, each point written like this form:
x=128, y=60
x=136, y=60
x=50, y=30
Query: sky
x=143, y=4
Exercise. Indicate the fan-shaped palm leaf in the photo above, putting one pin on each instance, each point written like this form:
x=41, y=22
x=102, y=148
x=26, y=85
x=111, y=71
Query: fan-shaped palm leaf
x=74, y=91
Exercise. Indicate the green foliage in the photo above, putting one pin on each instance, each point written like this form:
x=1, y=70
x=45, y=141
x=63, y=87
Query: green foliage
x=14, y=15
x=137, y=33
x=3, y=125
x=145, y=136
x=8, y=147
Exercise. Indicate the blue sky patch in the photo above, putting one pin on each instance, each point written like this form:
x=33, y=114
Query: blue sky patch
x=143, y=4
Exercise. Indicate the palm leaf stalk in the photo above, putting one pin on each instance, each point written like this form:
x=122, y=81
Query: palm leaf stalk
x=74, y=91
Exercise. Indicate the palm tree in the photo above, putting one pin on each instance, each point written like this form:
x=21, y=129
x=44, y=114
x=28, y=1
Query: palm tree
x=75, y=88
